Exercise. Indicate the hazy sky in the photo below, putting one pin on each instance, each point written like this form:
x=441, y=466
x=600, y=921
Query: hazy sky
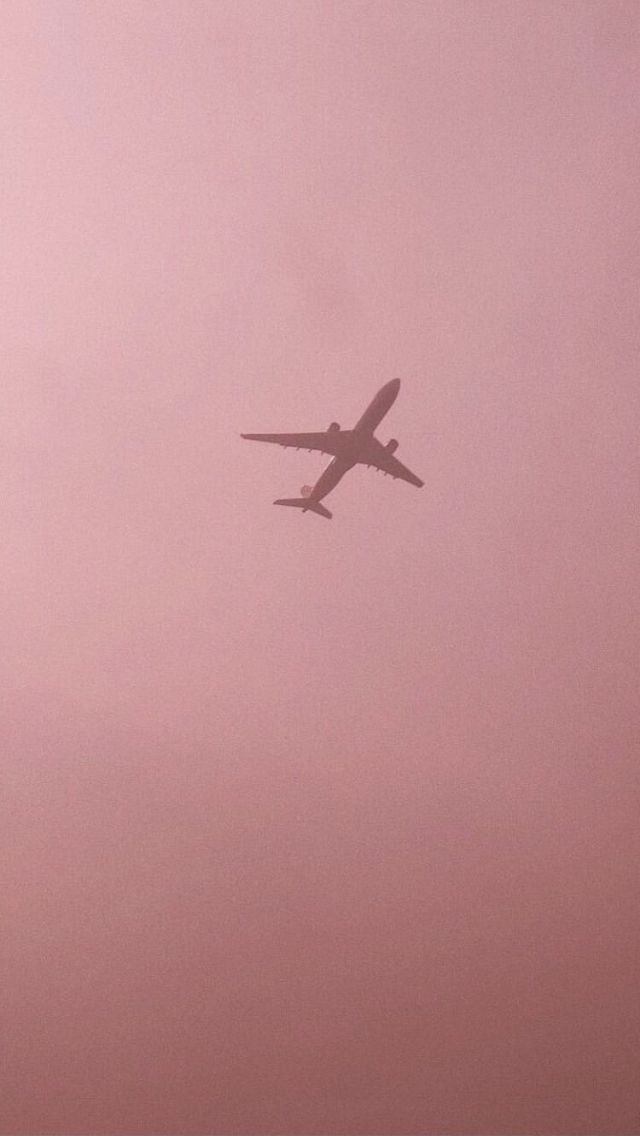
x=310, y=827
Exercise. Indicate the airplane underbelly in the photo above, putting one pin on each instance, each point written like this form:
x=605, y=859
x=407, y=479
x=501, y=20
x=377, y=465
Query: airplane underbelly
x=331, y=476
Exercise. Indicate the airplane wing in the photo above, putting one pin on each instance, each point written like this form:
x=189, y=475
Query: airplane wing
x=389, y=464
x=325, y=442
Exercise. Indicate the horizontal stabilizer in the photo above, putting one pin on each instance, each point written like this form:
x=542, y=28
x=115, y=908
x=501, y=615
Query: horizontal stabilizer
x=305, y=503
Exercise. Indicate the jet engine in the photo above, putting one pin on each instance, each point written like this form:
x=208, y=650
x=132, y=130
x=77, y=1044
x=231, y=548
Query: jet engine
x=392, y=445
x=333, y=427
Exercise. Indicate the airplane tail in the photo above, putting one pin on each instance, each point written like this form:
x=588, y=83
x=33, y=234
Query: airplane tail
x=305, y=503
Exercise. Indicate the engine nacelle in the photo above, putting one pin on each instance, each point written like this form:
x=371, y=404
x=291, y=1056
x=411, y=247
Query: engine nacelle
x=392, y=445
x=333, y=427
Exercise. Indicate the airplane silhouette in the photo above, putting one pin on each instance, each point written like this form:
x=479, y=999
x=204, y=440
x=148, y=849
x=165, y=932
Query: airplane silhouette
x=347, y=448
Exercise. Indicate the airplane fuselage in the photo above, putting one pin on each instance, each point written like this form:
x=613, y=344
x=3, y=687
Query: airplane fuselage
x=355, y=445
x=377, y=408
x=329, y=478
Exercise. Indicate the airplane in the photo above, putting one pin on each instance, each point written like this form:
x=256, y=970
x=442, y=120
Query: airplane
x=347, y=448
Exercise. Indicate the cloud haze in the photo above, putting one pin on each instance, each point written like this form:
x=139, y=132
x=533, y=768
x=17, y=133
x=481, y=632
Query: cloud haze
x=318, y=828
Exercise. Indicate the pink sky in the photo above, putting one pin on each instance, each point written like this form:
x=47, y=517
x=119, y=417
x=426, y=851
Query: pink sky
x=309, y=827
